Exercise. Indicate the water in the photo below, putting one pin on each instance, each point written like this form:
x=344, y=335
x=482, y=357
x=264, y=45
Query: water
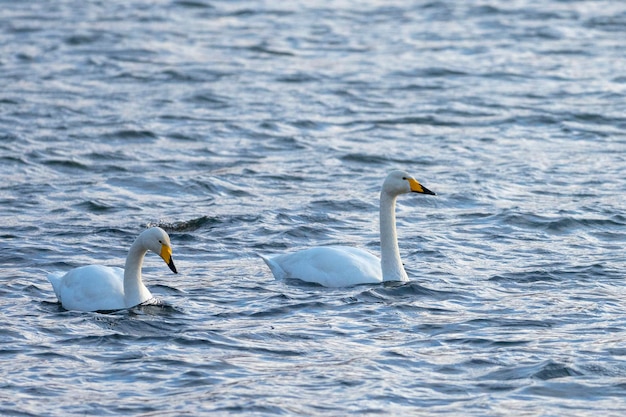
x=252, y=127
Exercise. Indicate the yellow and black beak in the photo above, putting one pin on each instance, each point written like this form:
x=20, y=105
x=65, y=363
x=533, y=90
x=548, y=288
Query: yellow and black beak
x=166, y=254
x=416, y=187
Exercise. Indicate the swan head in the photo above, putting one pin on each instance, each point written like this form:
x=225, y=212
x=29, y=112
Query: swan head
x=399, y=182
x=158, y=241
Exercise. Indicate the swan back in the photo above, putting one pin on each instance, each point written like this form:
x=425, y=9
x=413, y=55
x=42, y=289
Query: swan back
x=90, y=288
x=330, y=266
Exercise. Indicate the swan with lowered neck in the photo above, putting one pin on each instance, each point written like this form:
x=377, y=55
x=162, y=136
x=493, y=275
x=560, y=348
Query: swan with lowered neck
x=343, y=266
x=102, y=288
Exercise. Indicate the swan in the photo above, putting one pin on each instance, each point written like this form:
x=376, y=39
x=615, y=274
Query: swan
x=344, y=266
x=103, y=288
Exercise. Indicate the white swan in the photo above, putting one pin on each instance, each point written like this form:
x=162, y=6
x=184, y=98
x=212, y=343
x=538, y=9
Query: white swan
x=102, y=288
x=342, y=266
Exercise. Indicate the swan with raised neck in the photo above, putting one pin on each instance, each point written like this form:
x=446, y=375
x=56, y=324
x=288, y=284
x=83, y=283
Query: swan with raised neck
x=340, y=266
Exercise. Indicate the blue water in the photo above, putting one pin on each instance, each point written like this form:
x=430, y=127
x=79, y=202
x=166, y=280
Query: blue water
x=246, y=128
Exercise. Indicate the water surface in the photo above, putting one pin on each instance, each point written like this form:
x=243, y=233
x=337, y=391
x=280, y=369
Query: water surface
x=249, y=127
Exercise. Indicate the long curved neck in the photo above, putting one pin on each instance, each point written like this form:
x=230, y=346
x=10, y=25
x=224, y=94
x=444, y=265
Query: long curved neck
x=390, y=261
x=134, y=291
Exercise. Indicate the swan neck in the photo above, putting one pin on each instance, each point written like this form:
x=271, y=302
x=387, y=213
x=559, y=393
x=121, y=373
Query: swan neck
x=134, y=291
x=390, y=261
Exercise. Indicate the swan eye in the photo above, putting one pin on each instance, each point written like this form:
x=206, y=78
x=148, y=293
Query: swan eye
x=405, y=178
x=160, y=241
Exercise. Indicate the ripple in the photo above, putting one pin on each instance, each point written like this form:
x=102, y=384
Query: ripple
x=139, y=136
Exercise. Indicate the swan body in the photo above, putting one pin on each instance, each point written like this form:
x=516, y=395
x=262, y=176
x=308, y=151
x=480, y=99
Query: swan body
x=317, y=265
x=344, y=266
x=103, y=288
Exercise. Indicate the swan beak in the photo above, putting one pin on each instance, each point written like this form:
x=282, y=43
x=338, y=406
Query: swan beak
x=416, y=187
x=166, y=254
